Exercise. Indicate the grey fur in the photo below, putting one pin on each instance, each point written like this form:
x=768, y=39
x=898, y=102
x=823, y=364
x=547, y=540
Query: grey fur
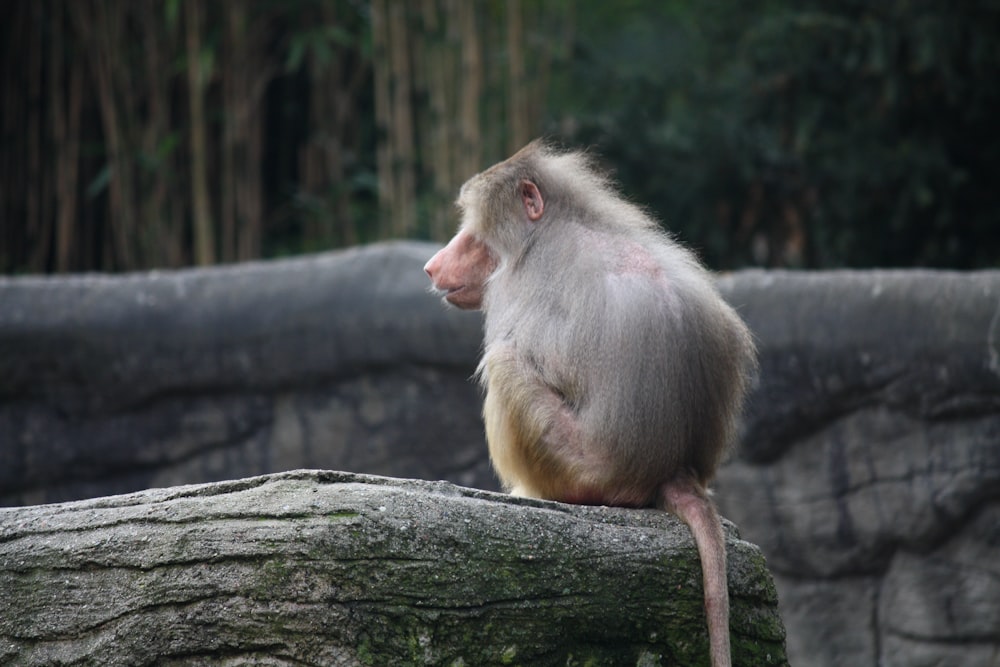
x=656, y=376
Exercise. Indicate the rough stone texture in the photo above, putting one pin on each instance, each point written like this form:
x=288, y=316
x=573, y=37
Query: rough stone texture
x=869, y=469
x=870, y=465
x=316, y=568
x=342, y=360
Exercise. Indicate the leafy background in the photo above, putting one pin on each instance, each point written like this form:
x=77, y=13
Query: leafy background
x=143, y=134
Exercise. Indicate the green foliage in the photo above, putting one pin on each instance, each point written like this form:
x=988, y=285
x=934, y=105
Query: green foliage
x=320, y=41
x=820, y=134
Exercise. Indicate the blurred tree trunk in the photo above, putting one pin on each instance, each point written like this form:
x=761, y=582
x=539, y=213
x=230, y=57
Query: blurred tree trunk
x=134, y=97
x=37, y=191
x=204, y=245
x=13, y=112
x=337, y=74
x=232, y=51
x=470, y=144
x=474, y=107
x=163, y=206
x=114, y=154
x=394, y=118
x=439, y=72
x=434, y=55
x=383, y=112
x=246, y=71
x=67, y=103
x=520, y=119
x=101, y=27
x=404, y=163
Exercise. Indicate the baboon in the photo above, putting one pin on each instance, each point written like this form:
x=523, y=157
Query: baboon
x=614, y=371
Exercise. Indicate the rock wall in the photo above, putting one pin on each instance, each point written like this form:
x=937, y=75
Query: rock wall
x=342, y=360
x=868, y=469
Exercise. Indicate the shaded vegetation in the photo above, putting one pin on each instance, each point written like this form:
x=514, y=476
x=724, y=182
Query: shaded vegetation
x=825, y=133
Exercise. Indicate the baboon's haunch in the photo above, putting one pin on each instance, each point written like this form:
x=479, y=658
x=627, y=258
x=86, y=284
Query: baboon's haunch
x=614, y=371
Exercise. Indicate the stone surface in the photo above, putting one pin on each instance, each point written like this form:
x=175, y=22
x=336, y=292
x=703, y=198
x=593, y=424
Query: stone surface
x=869, y=470
x=318, y=568
x=342, y=360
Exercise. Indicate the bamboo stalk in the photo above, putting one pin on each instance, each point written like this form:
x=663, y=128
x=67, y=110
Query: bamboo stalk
x=204, y=245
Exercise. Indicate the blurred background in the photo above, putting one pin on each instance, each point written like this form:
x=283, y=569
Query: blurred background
x=151, y=134
x=141, y=134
